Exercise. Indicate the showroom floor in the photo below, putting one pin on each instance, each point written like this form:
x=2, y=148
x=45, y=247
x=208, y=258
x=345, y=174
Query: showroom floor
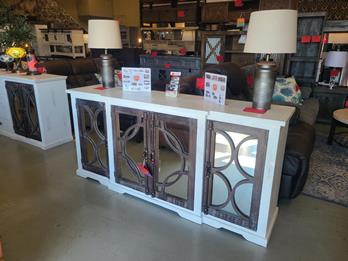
x=48, y=213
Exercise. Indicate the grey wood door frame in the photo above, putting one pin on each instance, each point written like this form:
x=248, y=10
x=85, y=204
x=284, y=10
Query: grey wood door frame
x=153, y=124
x=94, y=133
x=213, y=128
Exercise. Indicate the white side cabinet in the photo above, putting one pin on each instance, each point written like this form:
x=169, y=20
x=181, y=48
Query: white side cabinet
x=34, y=109
x=211, y=164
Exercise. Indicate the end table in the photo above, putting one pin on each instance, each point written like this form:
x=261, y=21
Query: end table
x=339, y=118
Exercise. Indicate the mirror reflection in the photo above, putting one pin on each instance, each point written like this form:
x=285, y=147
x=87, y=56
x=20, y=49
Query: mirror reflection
x=233, y=164
x=172, y=163
x=132, y=148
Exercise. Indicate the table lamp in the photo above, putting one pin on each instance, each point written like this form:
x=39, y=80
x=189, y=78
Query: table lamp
x=269, y=32
x=336, y=60
x=105, y=34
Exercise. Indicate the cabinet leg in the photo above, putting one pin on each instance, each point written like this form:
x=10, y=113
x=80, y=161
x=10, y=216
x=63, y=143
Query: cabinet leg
x=332, y=131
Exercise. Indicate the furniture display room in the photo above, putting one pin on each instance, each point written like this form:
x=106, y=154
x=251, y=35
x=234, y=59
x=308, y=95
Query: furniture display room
x=173, y=130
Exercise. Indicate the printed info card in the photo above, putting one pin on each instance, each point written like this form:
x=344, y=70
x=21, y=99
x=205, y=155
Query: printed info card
x=136, y=79
x=215, y=88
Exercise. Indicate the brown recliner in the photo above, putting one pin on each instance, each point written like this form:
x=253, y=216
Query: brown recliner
x=79, y=72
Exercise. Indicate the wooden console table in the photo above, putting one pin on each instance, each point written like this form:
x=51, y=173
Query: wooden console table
x=34, y=109
x=209, y=163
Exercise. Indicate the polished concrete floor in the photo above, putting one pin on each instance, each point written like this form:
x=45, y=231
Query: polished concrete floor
x=48, y=213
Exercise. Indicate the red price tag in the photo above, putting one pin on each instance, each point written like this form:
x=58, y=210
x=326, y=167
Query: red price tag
x=316, y=38
x=181, y=14
x=253, y=110
x=182, y=51
x=154, y=54
x=220, y=58
x=334, y=72
x=238, y=3
x=100, y=88
x=306, y=39
x=41, y=69
x=200, y=83
x=325, y=39
x=250, y=81
x=143, y=169
x=168, y=65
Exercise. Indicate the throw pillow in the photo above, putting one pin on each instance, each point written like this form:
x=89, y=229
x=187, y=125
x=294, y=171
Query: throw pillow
x=287, y=90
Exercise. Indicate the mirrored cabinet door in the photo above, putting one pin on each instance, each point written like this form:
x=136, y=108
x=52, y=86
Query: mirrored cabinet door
x=33, y=126
x=175, y=152
x=23, y=107
x=131, y=148
x=92, y=133
x=234, y=172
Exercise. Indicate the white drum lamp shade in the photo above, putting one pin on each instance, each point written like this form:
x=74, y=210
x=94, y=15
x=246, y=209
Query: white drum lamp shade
x=104, y=34
x=272, y=31
x=336, y=59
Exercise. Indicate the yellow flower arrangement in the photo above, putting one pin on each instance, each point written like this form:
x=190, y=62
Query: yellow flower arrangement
x=16, y=52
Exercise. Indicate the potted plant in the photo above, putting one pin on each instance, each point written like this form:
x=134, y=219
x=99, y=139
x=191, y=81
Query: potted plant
x=16, y=32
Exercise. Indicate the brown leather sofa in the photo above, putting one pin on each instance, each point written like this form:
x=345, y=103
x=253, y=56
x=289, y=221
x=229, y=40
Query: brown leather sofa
x=79, y=72
x=301, y=134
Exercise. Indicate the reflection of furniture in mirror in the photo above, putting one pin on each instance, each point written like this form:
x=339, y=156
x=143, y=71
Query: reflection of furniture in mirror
x=168, y=135
x=92, y=134
x=34, y=109
x=165, y=145
x=236, y=156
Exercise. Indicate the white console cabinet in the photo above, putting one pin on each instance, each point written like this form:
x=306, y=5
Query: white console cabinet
x=209, y=163
x=34, y=109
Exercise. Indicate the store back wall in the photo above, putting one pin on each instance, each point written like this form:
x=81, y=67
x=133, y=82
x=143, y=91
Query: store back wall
x=336, y=9
x=125, y=11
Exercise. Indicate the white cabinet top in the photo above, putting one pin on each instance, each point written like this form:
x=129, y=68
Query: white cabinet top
x=31, y=78
x=280, y=114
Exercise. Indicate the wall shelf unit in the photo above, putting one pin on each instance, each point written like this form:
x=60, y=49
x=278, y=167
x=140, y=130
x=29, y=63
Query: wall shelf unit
x=304, y=64
x=170, y=26
x=60, y=42
x=221, y=40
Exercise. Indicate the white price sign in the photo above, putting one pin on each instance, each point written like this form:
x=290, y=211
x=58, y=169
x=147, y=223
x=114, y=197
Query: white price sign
x=136, y=79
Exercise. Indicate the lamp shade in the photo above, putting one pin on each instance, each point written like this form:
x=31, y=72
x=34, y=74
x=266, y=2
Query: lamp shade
x=272, y=31
x=336, y=59
x=104, y=34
